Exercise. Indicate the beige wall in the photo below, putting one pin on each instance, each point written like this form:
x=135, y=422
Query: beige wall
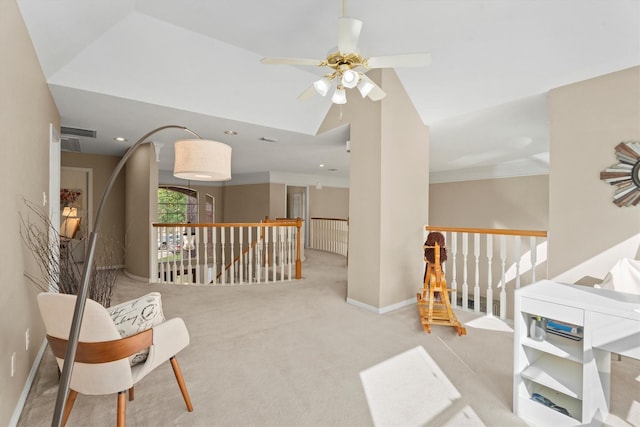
x=515, y=203
x=26, y=110
x=141, y=197
x=329, y=202
x=388, y=196
x=113, y=223
x=246, y=203
x=277, y=201
x=587, y=232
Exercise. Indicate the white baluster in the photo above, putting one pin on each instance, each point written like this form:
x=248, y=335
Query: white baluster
x=454, y=284
x=518, y=251
x=232, y=257
x=205, y=257
x=223, y=249
x=250, y=254
x=476, y=288
x=197, y=243
x=241, y=255
x=274, y=261
x=259, y=254
x=465, y=285
x=290, y=233
x=174, y=277
x=489, y=278
x=282, y=248
x=533, y=251
x=503, y=281
x=334, y=237
x=266, y=254
x=162, y=236
x=214, y=255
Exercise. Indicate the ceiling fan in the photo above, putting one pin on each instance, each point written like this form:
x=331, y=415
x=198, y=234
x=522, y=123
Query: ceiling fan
x=346, y=62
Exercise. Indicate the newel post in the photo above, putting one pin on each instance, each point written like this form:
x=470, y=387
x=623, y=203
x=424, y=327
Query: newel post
x=298, y=261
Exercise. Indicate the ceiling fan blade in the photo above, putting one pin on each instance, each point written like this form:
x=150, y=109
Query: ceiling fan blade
x=292, y=61
x=376, y=94
x=348, y=34
x=307, y=94
x=403, y=60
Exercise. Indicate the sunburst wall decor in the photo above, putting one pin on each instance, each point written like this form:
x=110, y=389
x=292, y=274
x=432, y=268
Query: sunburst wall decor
x=625, y=175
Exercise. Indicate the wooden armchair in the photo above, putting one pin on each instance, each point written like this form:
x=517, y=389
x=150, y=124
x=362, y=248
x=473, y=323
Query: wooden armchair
x=102, y=364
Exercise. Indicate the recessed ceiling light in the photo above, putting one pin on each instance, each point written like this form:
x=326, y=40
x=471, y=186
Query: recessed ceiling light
x=230, y=132
x=120, y=139
x=321, y=165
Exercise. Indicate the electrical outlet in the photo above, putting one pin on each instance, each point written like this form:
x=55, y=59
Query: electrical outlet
x=26, y=340
x=13, y=364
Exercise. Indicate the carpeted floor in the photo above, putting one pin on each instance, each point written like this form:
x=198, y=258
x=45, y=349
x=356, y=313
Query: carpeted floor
x=296, y=354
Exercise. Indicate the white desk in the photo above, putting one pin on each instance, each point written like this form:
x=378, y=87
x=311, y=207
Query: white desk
x=574, y=375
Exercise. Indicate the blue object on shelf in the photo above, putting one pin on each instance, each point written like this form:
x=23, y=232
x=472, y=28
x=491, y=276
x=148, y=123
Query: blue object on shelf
x=537, y=397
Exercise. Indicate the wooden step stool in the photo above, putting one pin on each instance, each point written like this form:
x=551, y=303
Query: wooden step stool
x=433, y=301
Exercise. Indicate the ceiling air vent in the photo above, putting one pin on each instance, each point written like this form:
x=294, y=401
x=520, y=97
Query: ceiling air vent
x=70, y=144
x=78, y=132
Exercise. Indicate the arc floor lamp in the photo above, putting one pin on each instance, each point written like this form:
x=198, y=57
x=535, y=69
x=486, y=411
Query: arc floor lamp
x=195, y=159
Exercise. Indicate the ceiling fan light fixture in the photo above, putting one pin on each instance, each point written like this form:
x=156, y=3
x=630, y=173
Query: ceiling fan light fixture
x=350, y=79
x=365, y=87
x=322, y=86
x=339, y=96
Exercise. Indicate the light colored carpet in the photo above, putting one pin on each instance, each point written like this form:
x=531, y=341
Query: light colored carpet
x=296, y=354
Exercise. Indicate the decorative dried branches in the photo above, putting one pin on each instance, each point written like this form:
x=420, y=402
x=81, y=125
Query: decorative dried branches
x=60, y=270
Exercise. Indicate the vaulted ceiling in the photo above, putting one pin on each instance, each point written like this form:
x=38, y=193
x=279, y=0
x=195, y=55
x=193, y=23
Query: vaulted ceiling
x=124, y=67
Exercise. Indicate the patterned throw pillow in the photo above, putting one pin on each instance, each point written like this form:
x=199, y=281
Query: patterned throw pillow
x=135, y=316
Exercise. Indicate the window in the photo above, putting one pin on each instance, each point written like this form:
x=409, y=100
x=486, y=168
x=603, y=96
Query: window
x=177, y=205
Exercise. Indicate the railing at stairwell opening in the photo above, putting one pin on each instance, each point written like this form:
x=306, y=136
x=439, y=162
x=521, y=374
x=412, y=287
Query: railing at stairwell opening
x=329, y=235
x=485, y=266
x=228, y=253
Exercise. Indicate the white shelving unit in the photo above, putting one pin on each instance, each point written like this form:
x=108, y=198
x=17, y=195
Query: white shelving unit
x=574, y=375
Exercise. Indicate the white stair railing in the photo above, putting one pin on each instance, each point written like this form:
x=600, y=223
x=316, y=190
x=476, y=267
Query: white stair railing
x=228, y=253
x=522, y=261
x=329, y=235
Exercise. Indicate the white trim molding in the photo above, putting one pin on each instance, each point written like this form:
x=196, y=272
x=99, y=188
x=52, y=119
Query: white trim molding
x=17, y=412
x=381, y=310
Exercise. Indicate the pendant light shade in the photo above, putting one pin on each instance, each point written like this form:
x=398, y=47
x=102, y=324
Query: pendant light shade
x=202, y=160
x=365, y=86
x=322, y=86
x=339, y=96
x=350, y=79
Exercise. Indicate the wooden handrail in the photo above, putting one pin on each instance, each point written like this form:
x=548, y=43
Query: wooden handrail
x=530, y=233
x=228, y=224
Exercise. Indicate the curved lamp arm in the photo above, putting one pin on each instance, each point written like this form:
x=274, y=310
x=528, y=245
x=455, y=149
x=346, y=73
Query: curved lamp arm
x=74, y=334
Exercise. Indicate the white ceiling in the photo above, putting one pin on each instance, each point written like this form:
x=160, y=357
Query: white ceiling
x=125, y=67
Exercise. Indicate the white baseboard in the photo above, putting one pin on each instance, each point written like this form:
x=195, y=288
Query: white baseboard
x=136, y=278
x=381, y=310
x=27, y=386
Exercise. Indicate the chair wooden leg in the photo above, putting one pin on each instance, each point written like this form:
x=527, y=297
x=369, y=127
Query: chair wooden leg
x=122, y=408
x=131, y=397
x=180, y=379
x=71, y=399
